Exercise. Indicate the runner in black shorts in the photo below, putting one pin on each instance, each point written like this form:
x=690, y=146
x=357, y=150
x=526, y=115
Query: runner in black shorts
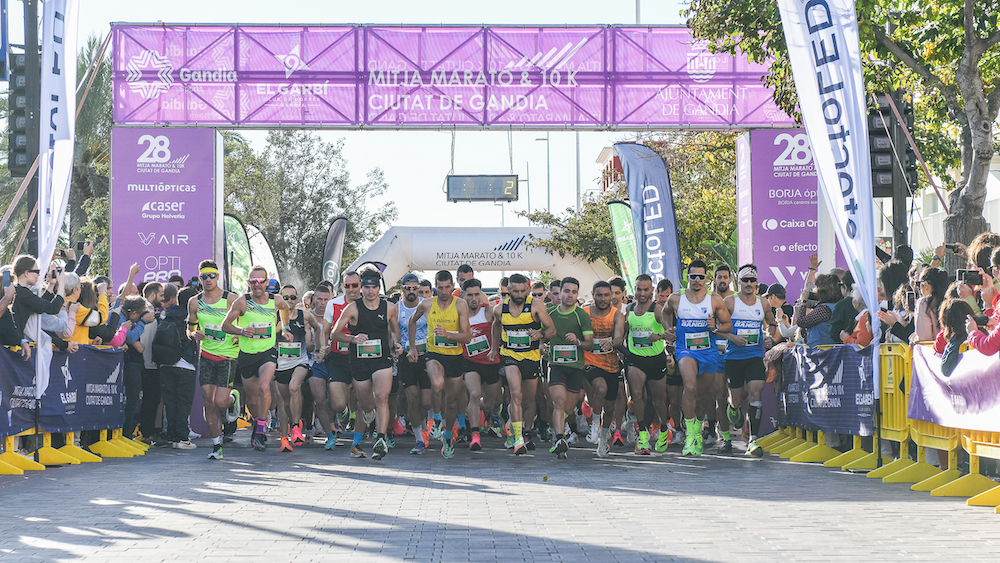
x=603, y=368
x=336, y=357
x=413, y=374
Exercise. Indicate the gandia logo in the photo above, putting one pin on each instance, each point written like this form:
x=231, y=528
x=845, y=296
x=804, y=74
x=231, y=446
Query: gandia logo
x=701, y=66
x=135, y=71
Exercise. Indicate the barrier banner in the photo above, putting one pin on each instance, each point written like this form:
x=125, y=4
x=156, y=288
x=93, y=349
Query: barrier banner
x=433, y=77
x=969, y=399
x=652, y=203
x=86, y=391
x=17, y=392
x=624, y=231
x=829, y=390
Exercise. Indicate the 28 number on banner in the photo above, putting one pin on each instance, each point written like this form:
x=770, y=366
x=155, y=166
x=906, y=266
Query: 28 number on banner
x=158, y=150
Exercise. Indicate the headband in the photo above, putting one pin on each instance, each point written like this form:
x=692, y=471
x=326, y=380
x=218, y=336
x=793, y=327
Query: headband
x=208, y=270
x=747, y=271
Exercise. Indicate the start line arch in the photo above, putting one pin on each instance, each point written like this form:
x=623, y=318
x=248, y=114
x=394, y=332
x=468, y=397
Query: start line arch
x=402, y=249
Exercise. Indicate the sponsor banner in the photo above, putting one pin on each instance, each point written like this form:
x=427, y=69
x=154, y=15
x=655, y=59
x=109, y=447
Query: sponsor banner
x=482, y=251
x=776, y=195
x=624, y=231
x=651, y=199
x=969, y=399
x=17, y=392
x=162, y=201
x=429, y=77
x=825, y=54
x=830, y=390
x=237, y=250
x=333, y=252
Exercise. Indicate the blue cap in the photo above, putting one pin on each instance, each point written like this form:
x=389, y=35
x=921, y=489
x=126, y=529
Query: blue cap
x=272, y=285
x=410, y=278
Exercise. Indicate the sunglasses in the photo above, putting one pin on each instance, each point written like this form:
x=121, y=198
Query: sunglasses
x=504, y=295
x=34, y=271
x=748, y=280
x=352, y=285
x=211, y=276
x=410, y=287
x=537, y=294
x=696, y=276
x=257, y=280
x=290, y=297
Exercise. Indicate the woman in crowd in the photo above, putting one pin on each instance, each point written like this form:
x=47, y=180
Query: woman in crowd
x=91, y=306
x=933, y=285
x=817, y=321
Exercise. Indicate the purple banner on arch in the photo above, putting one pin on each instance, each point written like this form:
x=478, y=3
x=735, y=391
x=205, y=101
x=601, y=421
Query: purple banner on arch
x=429, y=77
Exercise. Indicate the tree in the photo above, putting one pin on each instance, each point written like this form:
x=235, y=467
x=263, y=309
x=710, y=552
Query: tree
x=293, y=190
x=944, y=51
x=587, y=234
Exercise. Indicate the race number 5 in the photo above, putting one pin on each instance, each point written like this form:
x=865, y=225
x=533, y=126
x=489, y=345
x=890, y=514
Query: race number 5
x=158, y=150
x=797, y=150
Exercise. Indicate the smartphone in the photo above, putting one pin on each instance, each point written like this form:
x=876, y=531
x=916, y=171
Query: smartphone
x=981, y=320
x=79, y=246
x=911, y=301
x=972, y=277
x=6, y=278
x=62, y=253
x=950, y=247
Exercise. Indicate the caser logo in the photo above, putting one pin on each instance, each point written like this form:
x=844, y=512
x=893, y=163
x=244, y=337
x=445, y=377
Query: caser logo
x=177, y=206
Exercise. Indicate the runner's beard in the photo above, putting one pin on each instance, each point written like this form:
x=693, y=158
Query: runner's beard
x=517, y=300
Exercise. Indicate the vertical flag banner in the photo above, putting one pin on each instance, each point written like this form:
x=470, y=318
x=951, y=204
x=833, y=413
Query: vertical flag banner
x=624, y=232
x=652, y=202
x=333, y=252
x=260, y=251
x=238, y=260
x=825, y=53
x=55, y=142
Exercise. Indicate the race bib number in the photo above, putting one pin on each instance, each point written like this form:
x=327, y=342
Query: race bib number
x=370, y=349
x=261, y=331
x=421, y=346
x=642, y=339
x=721, y=344
x=598, y=345
x=751, y=334
x=518, y=339
x=478, y=345
x=564, y=354
x=290, y=350
x=697, y=341
x=214, y=333
x=442, y=342
x=343, y=347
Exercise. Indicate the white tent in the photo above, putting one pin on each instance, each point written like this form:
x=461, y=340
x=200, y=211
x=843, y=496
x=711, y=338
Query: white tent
x=509, y=249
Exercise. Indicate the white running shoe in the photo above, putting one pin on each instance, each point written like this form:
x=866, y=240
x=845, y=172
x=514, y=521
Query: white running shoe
x=602, y=447
x=581, y=423
x=594, y=436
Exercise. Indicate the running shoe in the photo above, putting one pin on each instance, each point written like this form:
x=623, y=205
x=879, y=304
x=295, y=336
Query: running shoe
x=356, y=451
x=642, y=443
x=587, y=410
x=572, y=438
x=331, y=441
x=398, y=427
x=594, y=435
x=297, y=438
x=678, y=438
x=602, y=447
x=285, y=445
x=689, y=445
x=233, y=412
x=509, y=443
x=559, y=447
x=617, y=439
x=418, y=448
x=426, y=435
x=390, y=442
x=216, y=452
x=663, y=441
x=338, y=423
x=369, y=417
x=726, y=448
x=631, y=432
x=380, y=449
x=434, y=428
x=475, y=444
x=529, y=444
x=258, y=442
x=698, y=446
x=448, y=449
x=708, y=437
x=754, y=449
x=735, y=416
x=581, y=423
x=519, y=447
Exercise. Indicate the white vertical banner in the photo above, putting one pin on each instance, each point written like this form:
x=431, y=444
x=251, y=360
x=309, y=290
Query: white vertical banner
x=57, y=123
x=825, y=53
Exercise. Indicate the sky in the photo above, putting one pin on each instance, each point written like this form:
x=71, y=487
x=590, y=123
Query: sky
x=415, y=163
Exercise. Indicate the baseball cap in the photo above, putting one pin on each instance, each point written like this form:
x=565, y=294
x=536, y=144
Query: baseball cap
x=777, y=290
x=272, y=285
x=410, y=278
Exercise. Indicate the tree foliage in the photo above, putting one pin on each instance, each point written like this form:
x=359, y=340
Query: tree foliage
x=943, y=51
x=292, y=191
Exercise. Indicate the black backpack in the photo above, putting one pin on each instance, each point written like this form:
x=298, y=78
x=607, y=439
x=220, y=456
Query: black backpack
x=166, y=343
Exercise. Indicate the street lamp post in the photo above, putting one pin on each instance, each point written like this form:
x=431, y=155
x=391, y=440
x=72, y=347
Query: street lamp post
x=548, y=174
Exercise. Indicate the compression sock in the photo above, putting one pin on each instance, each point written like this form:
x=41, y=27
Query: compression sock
x=725, y=435
x=261, y=426
x=357, y=438
x=437, y=418
x=461, y=421
x=693, y=426
x=755, y=419
x=217, y=441
x=518, y=427
x=448, y=434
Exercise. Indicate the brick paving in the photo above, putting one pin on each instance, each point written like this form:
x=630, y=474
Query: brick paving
x=313, y=505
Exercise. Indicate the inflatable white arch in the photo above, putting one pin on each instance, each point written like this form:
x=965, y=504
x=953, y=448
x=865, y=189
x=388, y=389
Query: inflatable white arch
x=508, y=249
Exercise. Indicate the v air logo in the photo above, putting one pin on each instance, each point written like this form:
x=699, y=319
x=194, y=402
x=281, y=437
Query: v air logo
x=146, y=239
x=549, y=62
x=164, y=239
x=137, y=67
x=292, y=61
x=513, y=244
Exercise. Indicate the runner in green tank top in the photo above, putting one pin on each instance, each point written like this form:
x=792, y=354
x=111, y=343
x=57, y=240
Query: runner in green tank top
x=647, y=364
x=258, y=314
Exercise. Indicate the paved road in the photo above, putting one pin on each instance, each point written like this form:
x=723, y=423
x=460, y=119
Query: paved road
x=314, y=505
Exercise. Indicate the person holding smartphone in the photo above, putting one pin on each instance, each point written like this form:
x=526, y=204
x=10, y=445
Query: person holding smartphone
x=26, y=303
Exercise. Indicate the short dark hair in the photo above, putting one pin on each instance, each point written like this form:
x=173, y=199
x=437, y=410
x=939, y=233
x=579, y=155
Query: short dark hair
x=557, y=283
x=133, y=303
x=464, y=269
x=664, y=285
x=697, y=263
x=517, y=278
x=426, y=283
x=287, y=286
x=23, y=263
x=504, y=281
x=443, y=275
x=324, y=287
x=643, y=277
x=350, y=273
x=207, y=264
x=176, y=278
x=537, y=285
x=723, y=268
x=254, y=268
x=169, y=291
x=152, y=287
x=185, y=295
x=571, y=280
x=618, y=282
x=471, y=282
x=599, y=284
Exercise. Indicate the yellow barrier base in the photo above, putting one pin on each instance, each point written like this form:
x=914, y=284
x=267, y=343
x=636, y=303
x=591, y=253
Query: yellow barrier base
x=241, y=423
x=778, y=442
x=804, y=446
x=819, y=453
x=8, y=469
x=48, y=455
x=936, y=481
x=845, y=458
x=912, y=474
x=986, y=498
x=890, y=468
x=80, y=454
x=19, y=461
x=968, y=486
x=137, y=443
x=127, y=445
x=786, y=445
x=771, y=438
x=867, y=462
x=104, y=448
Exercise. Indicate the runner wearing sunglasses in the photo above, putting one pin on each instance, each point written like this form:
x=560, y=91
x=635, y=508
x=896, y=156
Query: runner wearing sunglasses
x=695, y=313
x=336, y=358
x=260, y=318
x=293, y=368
